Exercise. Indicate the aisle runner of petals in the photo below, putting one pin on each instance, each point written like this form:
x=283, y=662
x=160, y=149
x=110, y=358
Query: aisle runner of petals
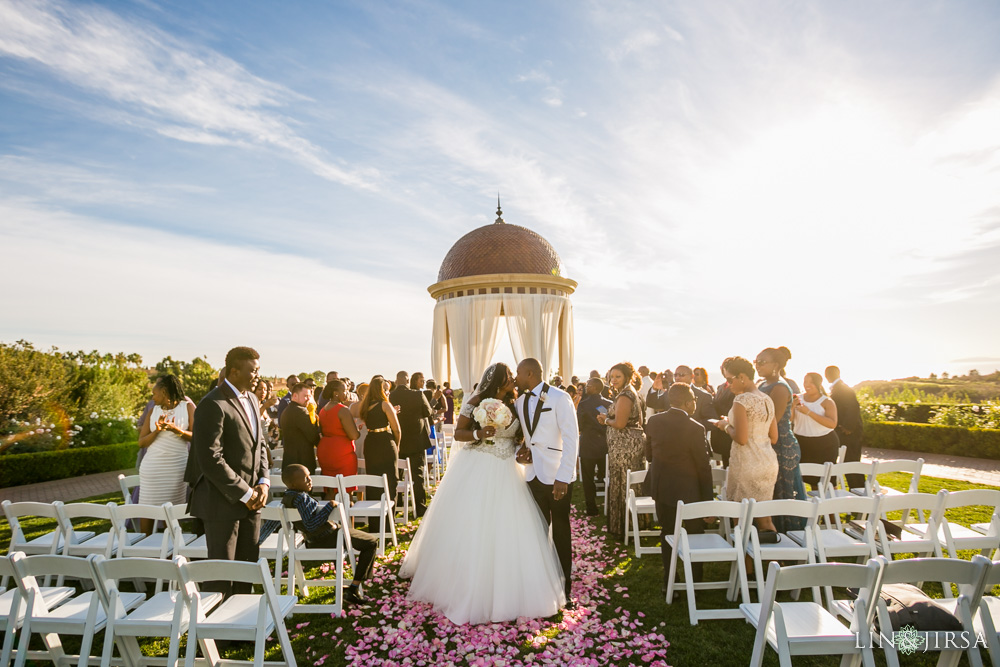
x=409, y=633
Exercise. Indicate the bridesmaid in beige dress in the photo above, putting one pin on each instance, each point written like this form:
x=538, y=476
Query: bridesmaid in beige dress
x=753, y=465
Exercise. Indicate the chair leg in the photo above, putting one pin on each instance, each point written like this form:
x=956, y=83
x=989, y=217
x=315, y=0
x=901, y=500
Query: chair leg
x=671, y=577
x=759, y=647
x=392, y=529
x=689, y=585
x=8, y=646
x=258, y=647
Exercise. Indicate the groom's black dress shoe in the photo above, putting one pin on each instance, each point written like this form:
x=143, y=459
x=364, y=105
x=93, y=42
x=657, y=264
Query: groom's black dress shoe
x=571, y=605
x=354, y=596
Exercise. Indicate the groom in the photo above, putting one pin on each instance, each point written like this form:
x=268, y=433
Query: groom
x=551, y=441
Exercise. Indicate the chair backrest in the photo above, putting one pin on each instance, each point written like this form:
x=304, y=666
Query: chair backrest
x=15, y=511
x=967, y=575
x=257, y=574
x=841, y=453
x=803, y=509
x=126, y=483
x=635, y=477
x=324, y=482
x=865, y=578
x=727, y=509
x=992, y=577
x=930, y=503
x=347, y=481
x=31, y=568
x=108, y=572
x=67, y=513
x=847, y=505
x=867, y=468
x=972, y=497
x=401, y=464
x=814, y=469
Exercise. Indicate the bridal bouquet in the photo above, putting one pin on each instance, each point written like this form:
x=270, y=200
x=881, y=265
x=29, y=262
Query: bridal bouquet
x=492, y=412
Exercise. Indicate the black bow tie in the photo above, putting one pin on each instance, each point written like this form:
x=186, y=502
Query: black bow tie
x=530, y=393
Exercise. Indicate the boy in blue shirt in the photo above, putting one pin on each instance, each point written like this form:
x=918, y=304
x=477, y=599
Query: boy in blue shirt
x=320, y=530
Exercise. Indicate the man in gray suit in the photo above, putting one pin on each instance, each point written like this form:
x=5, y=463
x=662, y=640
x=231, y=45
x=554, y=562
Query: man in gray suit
x=228, y=466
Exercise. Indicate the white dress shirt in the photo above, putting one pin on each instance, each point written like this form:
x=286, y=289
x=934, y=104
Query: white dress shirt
x=254, y=420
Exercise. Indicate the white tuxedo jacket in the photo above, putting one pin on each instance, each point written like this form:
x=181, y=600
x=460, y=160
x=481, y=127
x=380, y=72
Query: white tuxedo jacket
x=552, y=434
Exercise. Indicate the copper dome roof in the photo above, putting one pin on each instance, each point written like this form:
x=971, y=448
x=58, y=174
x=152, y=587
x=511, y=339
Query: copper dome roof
x=500, y=248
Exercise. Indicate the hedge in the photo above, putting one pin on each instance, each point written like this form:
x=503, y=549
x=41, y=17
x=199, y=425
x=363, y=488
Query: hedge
x=18, y=469
x=934, y=439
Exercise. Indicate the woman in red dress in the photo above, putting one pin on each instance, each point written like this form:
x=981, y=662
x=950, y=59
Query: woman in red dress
x=335, y=451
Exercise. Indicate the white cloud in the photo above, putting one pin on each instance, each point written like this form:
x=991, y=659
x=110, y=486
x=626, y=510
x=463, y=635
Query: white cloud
x=189, y=93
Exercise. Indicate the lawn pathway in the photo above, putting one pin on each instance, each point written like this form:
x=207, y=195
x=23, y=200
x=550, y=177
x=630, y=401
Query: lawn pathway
x=395, y=631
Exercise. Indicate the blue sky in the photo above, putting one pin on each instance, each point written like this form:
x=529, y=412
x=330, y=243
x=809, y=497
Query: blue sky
x=180, y=177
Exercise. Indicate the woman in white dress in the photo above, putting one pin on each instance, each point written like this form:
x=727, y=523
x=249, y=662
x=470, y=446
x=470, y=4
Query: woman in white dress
x=165, y=436
x=482, y=553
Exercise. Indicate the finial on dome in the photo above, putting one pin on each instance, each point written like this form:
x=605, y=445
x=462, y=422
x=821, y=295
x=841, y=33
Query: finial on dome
x=499, y=220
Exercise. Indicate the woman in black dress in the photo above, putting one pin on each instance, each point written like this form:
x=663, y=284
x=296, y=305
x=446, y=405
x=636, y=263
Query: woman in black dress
x=382, y=441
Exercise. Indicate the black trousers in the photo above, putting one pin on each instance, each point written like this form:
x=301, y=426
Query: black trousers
x=591, y=470
x=365, y=543
x=232, y=539
x=667, y=515
x=853, y=442
x=818, y=450
x=417, y=460
x=556, y=513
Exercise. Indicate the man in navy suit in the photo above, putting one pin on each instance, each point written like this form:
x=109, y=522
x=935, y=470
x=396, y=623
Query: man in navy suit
x=593, y=440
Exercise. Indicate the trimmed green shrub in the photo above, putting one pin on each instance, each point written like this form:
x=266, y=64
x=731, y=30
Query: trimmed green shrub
x=934, y=439
x=18, y=469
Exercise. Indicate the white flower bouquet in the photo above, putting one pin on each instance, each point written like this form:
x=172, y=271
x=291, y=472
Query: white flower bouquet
x=492, y=412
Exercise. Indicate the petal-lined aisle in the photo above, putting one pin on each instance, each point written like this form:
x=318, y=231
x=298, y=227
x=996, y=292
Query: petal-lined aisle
x=396, y=631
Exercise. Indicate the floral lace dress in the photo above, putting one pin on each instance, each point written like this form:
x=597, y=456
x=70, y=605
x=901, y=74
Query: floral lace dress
x=482, y=553
x=753, y=467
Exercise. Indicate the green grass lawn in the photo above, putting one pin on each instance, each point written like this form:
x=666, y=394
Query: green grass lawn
x=633, y=588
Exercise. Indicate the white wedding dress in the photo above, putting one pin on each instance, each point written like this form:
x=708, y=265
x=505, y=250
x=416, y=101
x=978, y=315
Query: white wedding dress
x=482, y=553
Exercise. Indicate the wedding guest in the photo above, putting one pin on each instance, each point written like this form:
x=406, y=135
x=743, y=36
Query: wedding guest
x=335, y=451
x=701, y=380
x=656, y=398
x=705, y=412
x=290, y=382
x=723, y=402
x=571, y=390
x=359, y=442
x=165, y=436
x=679, y=468
x=647, y=381
x=753, y=464
x=320, y=401
x=299, y=435
x=850, y=428
x=381, y=448
x=320, y=531
x=449, y=396
x=593, y=440
x=626, y=442
x=813, y=424
x=769, y=363
x=414, y=410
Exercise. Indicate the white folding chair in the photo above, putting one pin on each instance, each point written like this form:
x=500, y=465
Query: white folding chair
x=607, y=481
x=105, y=543
x=405, y=487
x=12, y=605
x=987, y=621
x=50, y=542
x=431, y=464
x=165, y=614
x=831, y=538
x=82, y=615
x=807, y=628
x=189, y=545
x=241, y=617
x=382, y=509
x=719, y=478
x=126, y=483
x=838, y=485
x=956, y=536
x=705, y=548
x=634, y=506
x=156, y=545
x=822, y=472
x=299, y=552
x=918, y=537
x=968, y=576
x=899, y=465
x=786, y=548
x=841, y=454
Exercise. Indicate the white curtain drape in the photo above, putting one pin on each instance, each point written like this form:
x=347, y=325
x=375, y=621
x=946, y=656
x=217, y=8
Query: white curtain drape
x=439, y=343
x=533, y=326
x=472, y=325
x=566, y=345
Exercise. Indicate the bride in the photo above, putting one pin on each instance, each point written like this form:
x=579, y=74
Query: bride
x=482, y=552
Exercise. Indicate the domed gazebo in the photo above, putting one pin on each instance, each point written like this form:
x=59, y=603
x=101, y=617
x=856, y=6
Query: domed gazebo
x=493, y=272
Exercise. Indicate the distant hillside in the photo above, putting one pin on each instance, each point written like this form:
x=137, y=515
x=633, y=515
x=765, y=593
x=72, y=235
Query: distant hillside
x=971, y=388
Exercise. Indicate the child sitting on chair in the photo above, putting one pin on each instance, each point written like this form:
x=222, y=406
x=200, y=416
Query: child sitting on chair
x=319, y=530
